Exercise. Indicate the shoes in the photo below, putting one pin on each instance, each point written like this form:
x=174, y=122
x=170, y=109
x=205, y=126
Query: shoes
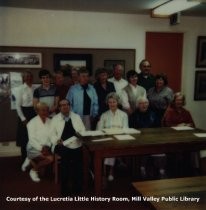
x=110, y=178
x=25, y=164
x=162, y=174
x=143, y=172
x=34, y=176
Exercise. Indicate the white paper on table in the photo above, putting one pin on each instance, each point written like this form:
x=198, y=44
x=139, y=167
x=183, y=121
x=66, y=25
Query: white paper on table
x=105, y=139
x=72, y=142
x=113, y=131
x=124, y=137
x=131, y=131
x=91, y=133
x=182, y=128
x=200, y=134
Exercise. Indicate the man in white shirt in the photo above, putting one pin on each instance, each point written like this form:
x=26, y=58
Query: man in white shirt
x=38, y=147
x=65, y=127
x=25, y=111
x=117, y=80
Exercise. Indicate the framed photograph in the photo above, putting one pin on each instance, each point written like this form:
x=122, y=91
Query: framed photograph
x=201, y=52
x=109, y=65
x=66, y=62
x=20, y=60
x=200, y=85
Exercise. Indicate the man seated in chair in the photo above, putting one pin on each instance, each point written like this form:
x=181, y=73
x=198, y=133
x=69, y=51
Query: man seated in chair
x=65, y=126
x=38, y=147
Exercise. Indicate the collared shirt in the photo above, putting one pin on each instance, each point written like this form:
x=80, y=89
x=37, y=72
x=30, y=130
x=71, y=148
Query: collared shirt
x=118, y=84
x=66, y=118
x=108, y=119
x=46, y=95
x=24, y=98
x=130, y=94
x=160, y=100
x=76, y=96
x=39, y=133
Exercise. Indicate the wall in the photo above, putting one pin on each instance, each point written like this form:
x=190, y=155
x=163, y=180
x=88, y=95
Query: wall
x=27, y=27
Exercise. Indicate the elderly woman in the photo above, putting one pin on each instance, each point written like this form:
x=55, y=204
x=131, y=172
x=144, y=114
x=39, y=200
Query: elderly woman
x=176, y=114
x=132, y=92
x=144, y=117
x=38, y=147
x=113, y=118
x=160, y=96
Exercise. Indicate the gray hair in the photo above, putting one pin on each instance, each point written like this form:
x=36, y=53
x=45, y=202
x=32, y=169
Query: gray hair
x=141, y=99
x=41, y=105
x=114, y=96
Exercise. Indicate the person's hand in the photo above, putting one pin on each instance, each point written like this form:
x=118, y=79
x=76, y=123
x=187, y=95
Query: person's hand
x=24, y=122
x=45, y=151
x=60, y=141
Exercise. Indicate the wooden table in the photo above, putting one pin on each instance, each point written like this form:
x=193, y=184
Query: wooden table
x=176, y=194
x=150, y=141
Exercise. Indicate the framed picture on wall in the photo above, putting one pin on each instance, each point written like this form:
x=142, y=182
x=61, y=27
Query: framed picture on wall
x=201, y=51
x=20, y=60
x=109, y=65
x=200, y=85
x=66, y=62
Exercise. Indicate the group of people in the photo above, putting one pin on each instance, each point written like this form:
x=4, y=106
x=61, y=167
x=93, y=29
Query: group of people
x=51, y=116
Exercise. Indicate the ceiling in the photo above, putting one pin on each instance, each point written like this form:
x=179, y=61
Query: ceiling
x=113, y=6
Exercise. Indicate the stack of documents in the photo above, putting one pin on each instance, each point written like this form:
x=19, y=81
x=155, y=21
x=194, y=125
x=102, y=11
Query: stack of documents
x=124, y=137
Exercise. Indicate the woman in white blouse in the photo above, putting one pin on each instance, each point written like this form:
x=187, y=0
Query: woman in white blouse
x=38, y=147
x=132, y=92
x=113, y=118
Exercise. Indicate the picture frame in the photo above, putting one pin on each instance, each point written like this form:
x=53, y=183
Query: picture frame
x=66, y=62
x=200, y=85
x=109, y=65
x=20, y=60
x=201, y=52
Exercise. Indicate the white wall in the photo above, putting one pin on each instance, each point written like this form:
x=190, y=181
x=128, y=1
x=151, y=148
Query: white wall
x=27, y=27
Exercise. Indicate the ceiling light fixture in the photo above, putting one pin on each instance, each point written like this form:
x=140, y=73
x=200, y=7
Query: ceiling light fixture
x=171, y=7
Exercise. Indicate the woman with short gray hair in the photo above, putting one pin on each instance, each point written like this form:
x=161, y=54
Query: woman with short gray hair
x=113, y=118
x=38, y=147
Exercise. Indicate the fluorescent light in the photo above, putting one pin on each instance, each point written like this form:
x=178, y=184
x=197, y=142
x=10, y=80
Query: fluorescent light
x=172, y=7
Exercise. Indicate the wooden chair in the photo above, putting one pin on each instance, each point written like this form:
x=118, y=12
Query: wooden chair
x=57, y=160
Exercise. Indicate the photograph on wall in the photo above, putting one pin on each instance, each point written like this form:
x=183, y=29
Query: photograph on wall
x=4, y=87
x=67, y=62
x=20, y=60
x=200, y=85
x=72, y=64
x=15, y=82
x=201, y=51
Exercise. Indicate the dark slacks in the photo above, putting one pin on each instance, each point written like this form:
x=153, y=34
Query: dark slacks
x=71, y=169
